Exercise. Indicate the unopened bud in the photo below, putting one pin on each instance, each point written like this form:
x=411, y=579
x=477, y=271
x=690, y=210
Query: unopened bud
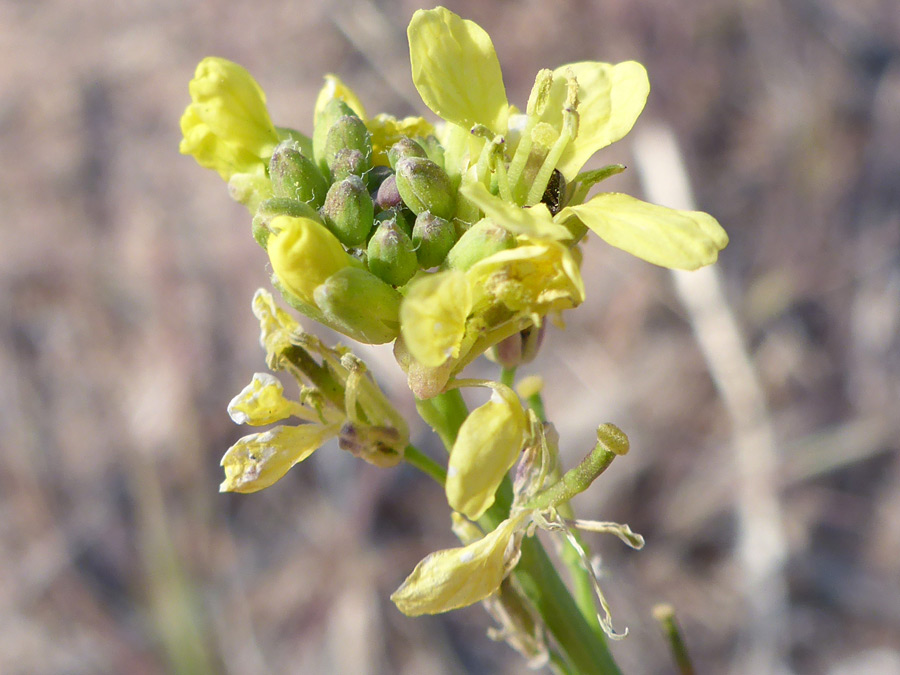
x=348, y=211
x=295, y=176
x=521, y=348
x=424, y=186
x=279, y=206
x=360, y=305
x=403, y=218
x=481, y=240
x=376, y=176
x=331, y=113
x=388, y=197
x=348, y=133
x=391, y=255
x=433, y=149
x=432, y=238
x=405, y=147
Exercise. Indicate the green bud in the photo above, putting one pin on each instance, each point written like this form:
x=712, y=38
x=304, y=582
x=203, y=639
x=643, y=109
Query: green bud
x=424, y=186
x=433, y=149
x=331, y=113
x=279, y=206
x=357, y=303
x=349, y=211
x=391, y=254
x=432, y=238
x=347, y=163
x=348, y=133
x=295, y=176
x=481, y=240
x=403, y=218
x=405, y=147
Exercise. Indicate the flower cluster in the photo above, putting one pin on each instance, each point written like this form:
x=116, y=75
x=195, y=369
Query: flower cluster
x=448, y=240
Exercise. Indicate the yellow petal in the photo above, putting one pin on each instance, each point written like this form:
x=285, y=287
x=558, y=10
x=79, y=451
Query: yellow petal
x=227, y=126
x=433, y=316
x=275, y=325
x=488, y=444
x=458, y=577
x=335, y=88
x=455, y=69
x=304, y=254
x=668, y=237
x=610, y=99
x=258, y=460
x=386, y=130
x=260, y=402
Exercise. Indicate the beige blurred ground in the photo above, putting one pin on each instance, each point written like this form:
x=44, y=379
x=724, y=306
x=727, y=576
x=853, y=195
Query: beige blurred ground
x=125, y=280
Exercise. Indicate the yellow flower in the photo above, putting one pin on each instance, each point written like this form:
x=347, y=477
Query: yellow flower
x=573, y=111
x=227, y=126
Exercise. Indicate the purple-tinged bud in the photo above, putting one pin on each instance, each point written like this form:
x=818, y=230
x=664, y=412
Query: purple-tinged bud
x=521, y=348
x=331, y=113
x=388, y=197
x=348, y=133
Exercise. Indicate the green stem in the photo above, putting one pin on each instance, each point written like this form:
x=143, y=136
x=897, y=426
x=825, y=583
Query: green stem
x=665, y=614
x=415, y=457
x=575, y=480
x=444, y=413
x=508, y=376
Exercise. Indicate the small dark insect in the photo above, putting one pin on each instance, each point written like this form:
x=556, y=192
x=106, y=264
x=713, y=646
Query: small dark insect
x=555, y=192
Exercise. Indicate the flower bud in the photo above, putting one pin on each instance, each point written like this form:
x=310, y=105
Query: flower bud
x=348, y=211
x=402, y=217
x=424, y=186
x=433, y=149
x=519, y=349
x=325, y=119
x=279, y=206
x=481, y=240
x=347, y=163
x=360, y=305
x=405, y=147
x=391, y=254
x=295, y=176
x=388, y=197
x=304, y=254
x=432, y=238
x=348, y=133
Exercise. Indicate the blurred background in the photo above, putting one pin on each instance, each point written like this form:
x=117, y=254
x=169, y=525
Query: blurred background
x=764, y=470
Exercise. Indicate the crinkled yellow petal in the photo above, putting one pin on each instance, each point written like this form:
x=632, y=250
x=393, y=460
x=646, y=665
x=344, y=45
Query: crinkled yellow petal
x=668, y=237
x=534, y=221
x=304, y=254
x=610, y=99
x=260, y=402
x=535, y=278
x=486, y=447
x=227, y=126
x=258, y=460
x=386, y=130
x=433, y=316
x=335, y=88
x=459, y=577
x=455, y=69
x=275, y=325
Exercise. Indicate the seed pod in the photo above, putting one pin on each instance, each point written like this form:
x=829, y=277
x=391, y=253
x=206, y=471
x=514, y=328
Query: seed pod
x=391, y=255
x=424, y=186
x=481, y=240
x=432, y=238
x=295, y=176
x=348, y=211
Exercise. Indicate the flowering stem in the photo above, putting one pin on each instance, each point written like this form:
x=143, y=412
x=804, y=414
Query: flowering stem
x=415, y=457
x=444, y=413
x=665, y=614
x=508, y=376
